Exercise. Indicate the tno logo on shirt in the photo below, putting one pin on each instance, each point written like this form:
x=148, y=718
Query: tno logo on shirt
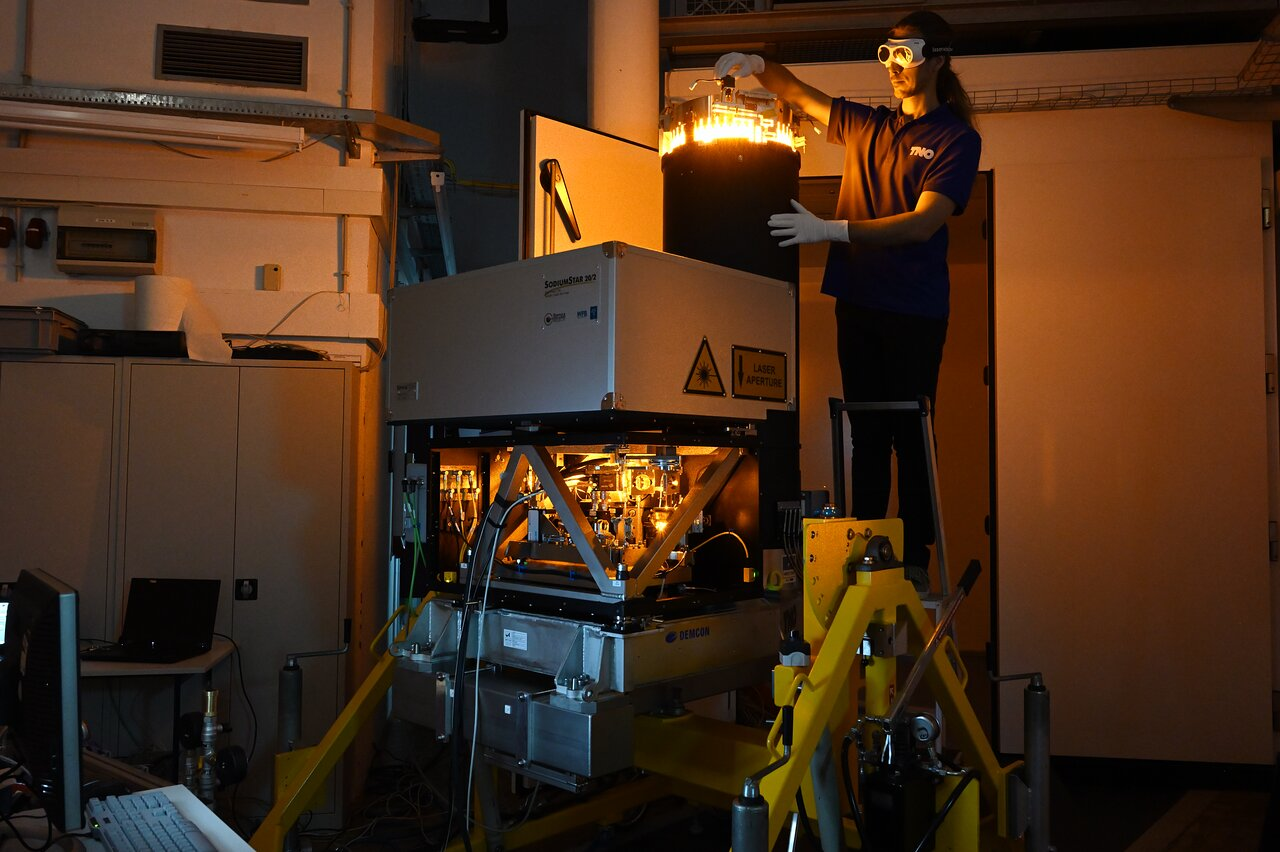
x=918, y=151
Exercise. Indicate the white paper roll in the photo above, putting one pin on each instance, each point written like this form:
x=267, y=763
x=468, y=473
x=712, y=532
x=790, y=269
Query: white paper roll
x=168, y=303
x=159, y=300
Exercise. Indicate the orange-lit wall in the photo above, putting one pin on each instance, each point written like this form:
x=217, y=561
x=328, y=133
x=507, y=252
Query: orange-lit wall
x=1135, y=444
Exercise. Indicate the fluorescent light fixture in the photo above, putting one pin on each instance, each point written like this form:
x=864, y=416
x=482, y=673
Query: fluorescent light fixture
x=125, y=124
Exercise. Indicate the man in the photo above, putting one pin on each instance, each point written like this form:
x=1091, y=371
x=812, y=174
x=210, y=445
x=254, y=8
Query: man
x=906, y=170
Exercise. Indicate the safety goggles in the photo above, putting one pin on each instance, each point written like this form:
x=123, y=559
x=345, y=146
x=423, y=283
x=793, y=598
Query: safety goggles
x=907, y=52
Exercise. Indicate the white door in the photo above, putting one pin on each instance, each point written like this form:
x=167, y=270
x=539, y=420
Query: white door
x=1132, y=455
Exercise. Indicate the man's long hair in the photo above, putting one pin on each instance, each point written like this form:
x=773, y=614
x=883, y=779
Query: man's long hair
x=937, y=32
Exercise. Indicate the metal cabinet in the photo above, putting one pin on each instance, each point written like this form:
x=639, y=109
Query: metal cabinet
x=239, y=473
x=122, y=468
x=59, y=434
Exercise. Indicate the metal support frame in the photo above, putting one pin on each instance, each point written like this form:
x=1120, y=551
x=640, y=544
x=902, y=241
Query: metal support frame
x=821, y=695
x=819, y=691
x=610, y=582
x=444, y=222
x=595, y=557
x=921, y=407
x=725, y=460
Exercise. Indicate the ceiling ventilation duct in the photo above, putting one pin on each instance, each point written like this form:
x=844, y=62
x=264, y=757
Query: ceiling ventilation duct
x=231, y=57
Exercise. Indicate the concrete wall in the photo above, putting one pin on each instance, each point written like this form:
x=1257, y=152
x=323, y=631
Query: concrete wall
x=225, y=213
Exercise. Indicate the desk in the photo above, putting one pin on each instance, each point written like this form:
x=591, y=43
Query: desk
x=179, y=671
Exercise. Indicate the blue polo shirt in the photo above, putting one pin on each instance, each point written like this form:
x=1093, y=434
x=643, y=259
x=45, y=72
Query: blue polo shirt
x=889, y=161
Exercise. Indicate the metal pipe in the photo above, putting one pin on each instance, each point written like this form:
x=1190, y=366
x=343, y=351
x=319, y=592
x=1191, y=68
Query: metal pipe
x=19, y=244
x=341, y=274
x=826, y=794
x=392, y=278
x=922, y=662
x=622, y=80
x=289, y=726
x=749, y=824
x=445, y=223
x=344, y=96
x=935, y=498
x=1035, y=733
x=345, y=91
x=289, y=723
x=28, y=30
x=749, y=819
x=838, y=455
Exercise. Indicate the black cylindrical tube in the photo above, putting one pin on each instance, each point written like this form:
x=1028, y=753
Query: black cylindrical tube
x=1035, y=733
x=717, y=198
x=289, y=723
x=749, y=824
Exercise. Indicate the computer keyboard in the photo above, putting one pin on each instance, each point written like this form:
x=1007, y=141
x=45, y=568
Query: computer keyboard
x=144, y=822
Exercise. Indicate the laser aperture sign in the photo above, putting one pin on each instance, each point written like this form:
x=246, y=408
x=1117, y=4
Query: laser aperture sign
x=759, y=374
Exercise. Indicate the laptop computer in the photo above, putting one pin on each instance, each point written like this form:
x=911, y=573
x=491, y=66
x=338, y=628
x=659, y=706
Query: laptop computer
x=166, y=620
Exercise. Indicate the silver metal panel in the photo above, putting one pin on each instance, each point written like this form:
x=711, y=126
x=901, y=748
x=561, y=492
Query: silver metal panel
x=666, y=651
x=688, y=646
x=588, y=738
x=532, y=643
x=420, y=695
x=504, y=712
x=618, y=662
x=609, y=327
x=588, y=744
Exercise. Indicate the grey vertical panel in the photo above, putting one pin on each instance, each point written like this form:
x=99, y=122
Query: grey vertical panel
x=177, y=513
x=290, y=536
x=179, y=497
x=58, y=447
x=57, y=464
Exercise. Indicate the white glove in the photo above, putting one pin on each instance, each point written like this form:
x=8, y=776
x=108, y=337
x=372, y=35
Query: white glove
x=804, y=227
x=739, y=65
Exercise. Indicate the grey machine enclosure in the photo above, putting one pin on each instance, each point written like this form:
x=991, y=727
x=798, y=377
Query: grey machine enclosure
x=645, y=366
x=609, y=327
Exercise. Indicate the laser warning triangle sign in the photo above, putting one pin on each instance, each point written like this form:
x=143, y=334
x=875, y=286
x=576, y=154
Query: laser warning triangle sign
x=704, y=376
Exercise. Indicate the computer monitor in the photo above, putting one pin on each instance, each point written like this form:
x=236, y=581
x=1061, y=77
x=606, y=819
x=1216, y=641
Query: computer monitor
x=40, y=672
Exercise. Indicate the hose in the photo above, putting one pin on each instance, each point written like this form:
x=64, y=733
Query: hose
x=848, y=789
x=944, y=810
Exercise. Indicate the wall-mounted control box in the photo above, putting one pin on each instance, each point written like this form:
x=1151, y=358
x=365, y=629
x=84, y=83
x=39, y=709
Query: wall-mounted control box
x=113, y=241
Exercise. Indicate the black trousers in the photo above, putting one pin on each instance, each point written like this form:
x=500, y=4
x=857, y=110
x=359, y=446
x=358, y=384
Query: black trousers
x=889, y=357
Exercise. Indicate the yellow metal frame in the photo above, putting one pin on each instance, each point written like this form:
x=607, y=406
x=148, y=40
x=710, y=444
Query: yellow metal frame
x=816, y=693
x=308, y=768
x=717, y=757
x=706, y=760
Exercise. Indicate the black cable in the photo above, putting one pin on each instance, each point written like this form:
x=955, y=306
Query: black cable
x=848, y=789
x=253, y=740
x=804, y=820
x=459, y=677
x=244, y=691
x=48, y=839
x=946, y=809
x=501, y=506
